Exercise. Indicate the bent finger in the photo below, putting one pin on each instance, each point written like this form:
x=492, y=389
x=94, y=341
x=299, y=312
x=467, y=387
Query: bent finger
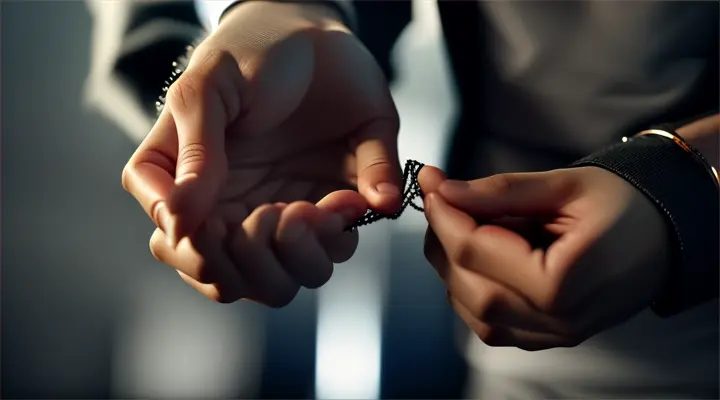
x=203, y=266
x=298, y=248
x=495, y=336
x=150, y=173
x=342, y=208
x=497, y=305
x=251, y=249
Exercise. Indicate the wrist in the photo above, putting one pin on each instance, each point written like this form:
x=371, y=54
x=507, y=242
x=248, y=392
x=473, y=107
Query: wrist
x=686, y=194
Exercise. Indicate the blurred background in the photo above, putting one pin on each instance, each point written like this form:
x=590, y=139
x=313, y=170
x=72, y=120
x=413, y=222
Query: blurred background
x=88, y=313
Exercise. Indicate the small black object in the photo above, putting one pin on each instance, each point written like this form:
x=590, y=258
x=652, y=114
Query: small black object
x=411, y=191
x=178, y=67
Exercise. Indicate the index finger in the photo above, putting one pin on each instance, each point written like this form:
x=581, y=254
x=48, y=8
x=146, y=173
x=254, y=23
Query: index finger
x=149, y=176
x=451, y=226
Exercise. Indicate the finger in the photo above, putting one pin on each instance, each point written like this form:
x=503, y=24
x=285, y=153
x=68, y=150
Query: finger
x=488, y=300
x=339, y=243
x=298, y=248
x=517, y=195
x=534, y=231
x=378, y=166
x=149, y=174
x=496, y=336
x=203, y=265
x=216, y=292
x=430, y=179
x=451, y=226
x=202, y=102
x=251, y=249
x=497, y=305
x=494, y=252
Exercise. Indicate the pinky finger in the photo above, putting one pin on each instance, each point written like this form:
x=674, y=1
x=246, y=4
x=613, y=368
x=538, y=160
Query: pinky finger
x=496, y=336
x=214, y=291
x=203, y=265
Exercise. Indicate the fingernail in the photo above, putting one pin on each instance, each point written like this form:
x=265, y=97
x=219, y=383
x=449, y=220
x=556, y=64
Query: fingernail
x=295, y=231
x=387, y=189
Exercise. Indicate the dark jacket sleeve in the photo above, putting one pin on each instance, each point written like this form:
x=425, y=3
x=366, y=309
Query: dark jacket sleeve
x=133, y=47
x=379, y=24
x=686, y=193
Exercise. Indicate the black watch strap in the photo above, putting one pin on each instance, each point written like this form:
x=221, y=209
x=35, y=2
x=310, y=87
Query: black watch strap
x=687, y=196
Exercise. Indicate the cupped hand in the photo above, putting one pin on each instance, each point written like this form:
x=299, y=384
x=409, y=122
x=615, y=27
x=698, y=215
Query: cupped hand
x=542, y=260
x=280, y=105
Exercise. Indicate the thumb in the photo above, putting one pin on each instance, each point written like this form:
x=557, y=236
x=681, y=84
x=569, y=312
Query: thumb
x=378, y=166
x=515, y=195
x=201, y=112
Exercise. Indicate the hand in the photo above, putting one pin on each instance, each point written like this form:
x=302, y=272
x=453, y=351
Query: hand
x=281, y=104
x=542, y=260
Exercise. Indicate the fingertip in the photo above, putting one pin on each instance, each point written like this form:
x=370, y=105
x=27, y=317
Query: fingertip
x=348, y=203
x=430, y=178
x=433, y=203
x=442, y=215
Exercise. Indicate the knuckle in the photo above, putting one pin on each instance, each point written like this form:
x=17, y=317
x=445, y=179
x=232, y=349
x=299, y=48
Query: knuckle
x=570, y=329
x=484, y=304
x=488, y=335
x=192, y=154
x=186, y=92
x=200, y=79
x=266, y=210
x=391, y=123
x=549, y=301
x=267, y=215
x=376, y=162
x=297, y=207
x=282, y=298
x=462, y=255
x=318, y=278
x=202, y=271
x=217, y=294
x=575, y=339
x=500, y=182
x=259, y=227
x=226, y=297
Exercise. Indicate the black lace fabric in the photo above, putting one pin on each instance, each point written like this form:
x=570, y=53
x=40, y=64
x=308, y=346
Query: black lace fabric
x=411, y=193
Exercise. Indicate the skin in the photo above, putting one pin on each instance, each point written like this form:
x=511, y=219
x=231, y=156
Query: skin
x=248, y=175
x=247, y=170
x=536, y=260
